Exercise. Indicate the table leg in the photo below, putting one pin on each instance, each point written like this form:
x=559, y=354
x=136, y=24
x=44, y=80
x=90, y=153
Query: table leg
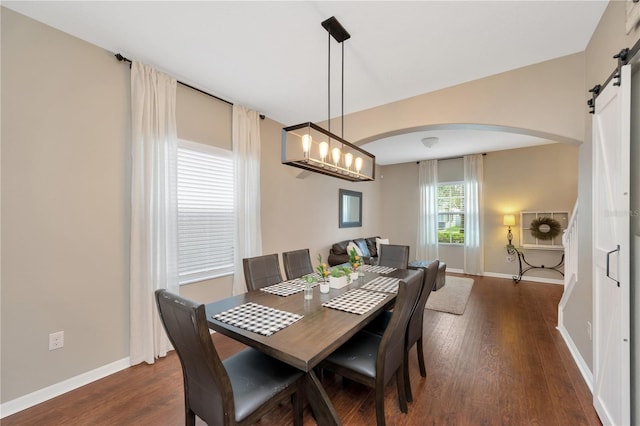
x=320, y=403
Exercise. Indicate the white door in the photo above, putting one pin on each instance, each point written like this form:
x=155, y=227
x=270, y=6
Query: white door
x=611, y=181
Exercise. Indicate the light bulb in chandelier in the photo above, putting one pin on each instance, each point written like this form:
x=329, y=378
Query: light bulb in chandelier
x=335, y=154
x=324, y=149
x=306, y=145
x=358, y=164
x=348, y=160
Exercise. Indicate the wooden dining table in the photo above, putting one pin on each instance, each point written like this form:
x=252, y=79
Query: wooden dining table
x=305, y=343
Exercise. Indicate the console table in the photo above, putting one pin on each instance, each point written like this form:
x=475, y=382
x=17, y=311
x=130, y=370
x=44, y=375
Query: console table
x=512, y=250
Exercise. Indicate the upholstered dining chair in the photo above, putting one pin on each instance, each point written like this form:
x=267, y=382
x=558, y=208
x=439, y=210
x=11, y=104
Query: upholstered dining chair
x=261, y=271
x=237, y=391
x=394, y=256
x=371, y=359
x=416, y=325
x=297, y=263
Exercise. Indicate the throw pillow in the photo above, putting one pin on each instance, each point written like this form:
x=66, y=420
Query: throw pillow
x=362, y=245
x=340, y=248
x=371, y=245
x=379, y=242
x=352, y=246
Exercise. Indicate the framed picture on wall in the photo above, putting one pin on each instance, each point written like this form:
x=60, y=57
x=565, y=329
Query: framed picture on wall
x=350, y=211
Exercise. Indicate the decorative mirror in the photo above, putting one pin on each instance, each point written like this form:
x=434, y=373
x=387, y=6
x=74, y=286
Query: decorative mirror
x=350, y=215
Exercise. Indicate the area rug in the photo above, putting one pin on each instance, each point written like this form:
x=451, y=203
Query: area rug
x=452, y=297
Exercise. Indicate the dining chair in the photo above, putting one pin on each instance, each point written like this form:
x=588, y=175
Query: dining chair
x=261, y=271
x=371, y=359
x=415, y=327
x=237, y=391
x=393, y=256
x=297, y=263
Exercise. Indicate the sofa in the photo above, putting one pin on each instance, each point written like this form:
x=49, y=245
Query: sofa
x=338, y=252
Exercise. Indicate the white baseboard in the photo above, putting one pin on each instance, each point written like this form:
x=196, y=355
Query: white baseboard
x=41, y=395
x=533, y=279
x=582, y=366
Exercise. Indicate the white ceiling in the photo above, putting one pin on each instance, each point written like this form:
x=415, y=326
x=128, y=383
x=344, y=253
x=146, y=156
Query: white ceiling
x=272, y=56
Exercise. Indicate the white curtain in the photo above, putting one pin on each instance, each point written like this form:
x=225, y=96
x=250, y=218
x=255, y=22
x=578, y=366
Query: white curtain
x=246, y=153
x=427, y=246
x=153, y=208
x=473, y=216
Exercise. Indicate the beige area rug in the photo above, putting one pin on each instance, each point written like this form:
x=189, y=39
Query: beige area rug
x=452, y=297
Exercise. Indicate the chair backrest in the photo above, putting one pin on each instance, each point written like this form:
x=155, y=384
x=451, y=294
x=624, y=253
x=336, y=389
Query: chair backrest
x=393, y=256
x=261, y=271
x=208, y=391
x=297, y=263
x=414, y=328
x=391, y=350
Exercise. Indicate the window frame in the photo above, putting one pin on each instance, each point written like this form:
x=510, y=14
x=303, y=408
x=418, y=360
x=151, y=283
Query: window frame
x=225, y=269
x=461, y=213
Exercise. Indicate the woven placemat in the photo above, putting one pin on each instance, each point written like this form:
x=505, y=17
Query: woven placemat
x=384, y=284
x=287, y=288
x=377, y=269
x=257, y=318
x=356, y=301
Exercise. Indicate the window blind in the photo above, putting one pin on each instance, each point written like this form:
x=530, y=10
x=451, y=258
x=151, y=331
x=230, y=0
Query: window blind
x=206, y=216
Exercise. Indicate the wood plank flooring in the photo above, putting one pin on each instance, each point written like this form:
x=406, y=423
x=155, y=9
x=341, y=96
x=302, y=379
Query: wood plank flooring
x=502, y=362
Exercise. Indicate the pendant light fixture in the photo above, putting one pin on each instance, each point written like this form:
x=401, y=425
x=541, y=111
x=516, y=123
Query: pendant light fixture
x=310, y=147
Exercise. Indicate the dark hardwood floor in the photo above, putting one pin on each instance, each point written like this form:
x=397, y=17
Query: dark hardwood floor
x=501, y=363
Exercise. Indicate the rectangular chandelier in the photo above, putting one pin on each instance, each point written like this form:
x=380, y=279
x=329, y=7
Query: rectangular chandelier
x=310, y=147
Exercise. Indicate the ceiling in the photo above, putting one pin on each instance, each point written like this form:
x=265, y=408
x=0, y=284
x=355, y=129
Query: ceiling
x=272, y=56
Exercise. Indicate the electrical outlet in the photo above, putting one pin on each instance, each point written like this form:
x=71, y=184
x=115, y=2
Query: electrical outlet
x=589, y=330
x=56, y=340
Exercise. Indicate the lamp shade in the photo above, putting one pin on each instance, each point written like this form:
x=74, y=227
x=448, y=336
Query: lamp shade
x=509, y=220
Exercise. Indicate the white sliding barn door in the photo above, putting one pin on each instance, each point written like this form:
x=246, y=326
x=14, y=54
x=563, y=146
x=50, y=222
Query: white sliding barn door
x=611, y=182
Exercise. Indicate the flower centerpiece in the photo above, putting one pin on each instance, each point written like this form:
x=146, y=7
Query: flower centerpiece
x=355, y=261
x=323, y=272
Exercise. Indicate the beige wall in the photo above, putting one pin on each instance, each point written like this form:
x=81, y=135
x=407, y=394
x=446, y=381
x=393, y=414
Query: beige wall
x=542, y=98
x=608, y=39
x=65, y=206
x=525, y=179
x=542, y=178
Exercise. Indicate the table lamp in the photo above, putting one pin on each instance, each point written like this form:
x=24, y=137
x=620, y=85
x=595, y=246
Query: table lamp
x=509, y=220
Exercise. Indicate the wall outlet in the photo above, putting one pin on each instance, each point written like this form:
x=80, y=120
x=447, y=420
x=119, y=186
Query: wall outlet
x=589, y=330
x=56, y=340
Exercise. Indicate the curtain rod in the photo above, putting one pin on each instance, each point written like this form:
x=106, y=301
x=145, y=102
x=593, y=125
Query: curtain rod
x=123, y=59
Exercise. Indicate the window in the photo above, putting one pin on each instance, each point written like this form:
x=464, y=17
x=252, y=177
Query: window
x=451, y=213
x=206, y=216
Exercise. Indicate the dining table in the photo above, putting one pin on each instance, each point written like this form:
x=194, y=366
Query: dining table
x=315, y=327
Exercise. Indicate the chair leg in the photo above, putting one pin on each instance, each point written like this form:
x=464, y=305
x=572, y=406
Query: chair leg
x=380, y=420
x=190, y=417
x=407, y=379
x=423, y=370
x=402, y=396
x=297, y=400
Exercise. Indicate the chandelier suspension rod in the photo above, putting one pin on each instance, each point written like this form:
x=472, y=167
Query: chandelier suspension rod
x=342, y=100
x=329, y=79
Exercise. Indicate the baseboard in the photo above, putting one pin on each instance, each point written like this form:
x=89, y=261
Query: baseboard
x=582, y=366
x=532, y=279
x=44, y=394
